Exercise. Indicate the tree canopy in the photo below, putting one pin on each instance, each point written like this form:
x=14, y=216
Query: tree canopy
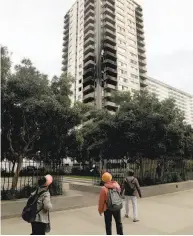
x=36, y=113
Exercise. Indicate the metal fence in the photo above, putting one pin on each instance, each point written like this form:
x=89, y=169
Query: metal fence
x=148, y=172
x=30, y=173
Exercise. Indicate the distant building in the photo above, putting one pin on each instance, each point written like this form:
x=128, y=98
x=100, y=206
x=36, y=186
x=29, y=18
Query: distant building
x=184, y=101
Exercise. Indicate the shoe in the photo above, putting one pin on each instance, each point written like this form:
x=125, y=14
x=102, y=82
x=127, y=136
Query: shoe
x=126, y=216
x=135, y=220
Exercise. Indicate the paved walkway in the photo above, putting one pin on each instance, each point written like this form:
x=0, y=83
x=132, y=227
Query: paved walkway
x=166, y=214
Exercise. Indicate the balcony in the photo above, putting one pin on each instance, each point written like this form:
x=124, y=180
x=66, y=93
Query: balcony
x=139, y=11
x=65, y=61
x=143, y=76
x=110, y=33
x=65, y=56
x=109, y=18
x=140, y=36
x=142, y=62
x=109, y=12
x=89, y=13
x=66, y=30
x=109, y=26
x=88, y=1
x=88, y=97
x=89, y=63
x=89, y=41
x=143, y=83
x=110, y=55
x=139, y=24
x=90, y=34
x=89, y=56
x=109, y=5
x=65, y=49
x=109, y=40
x=111, y=71
x=139, y=17
x=107, y=94
x=140, y=30
x=89, y=6
x=88, y=49
x=110, y=86
x=66, y=36
x=141, y=49
x=90, y=26
x=88, y=88
x=141, y=55
x=110, y=104
x=110, y=80
x=66, y=19
x=89, y=20
x=88, y=72
x=141, y=43
x=64, y=68
x=65, y=43
x=66, y=26
x=110, y=63
x=109, y=47
x=88, y=80
x=142, y=69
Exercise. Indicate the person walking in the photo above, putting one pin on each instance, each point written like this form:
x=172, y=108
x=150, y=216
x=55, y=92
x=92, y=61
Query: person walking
x=38, y=206
x=110, y=203
x=131, y=188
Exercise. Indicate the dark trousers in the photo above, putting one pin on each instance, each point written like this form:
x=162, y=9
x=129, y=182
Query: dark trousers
x=108, y=221
x=38, y=228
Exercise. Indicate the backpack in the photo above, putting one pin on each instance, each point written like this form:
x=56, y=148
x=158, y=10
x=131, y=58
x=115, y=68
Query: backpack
x=130, y=186
x=114, y=202
x=30, y=210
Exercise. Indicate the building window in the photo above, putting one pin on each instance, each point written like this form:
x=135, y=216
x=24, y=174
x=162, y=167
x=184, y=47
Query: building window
x=80, y=81
x=133, y=62
x=80, y=89
x=134, y=76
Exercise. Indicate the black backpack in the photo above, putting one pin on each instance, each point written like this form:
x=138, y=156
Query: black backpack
x=30, y=210
x=130, y=186
x=114, y=202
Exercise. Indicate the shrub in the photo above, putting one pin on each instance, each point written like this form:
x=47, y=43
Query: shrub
x=172, y=177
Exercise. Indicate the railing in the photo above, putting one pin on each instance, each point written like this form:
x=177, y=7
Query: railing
x=149, y=172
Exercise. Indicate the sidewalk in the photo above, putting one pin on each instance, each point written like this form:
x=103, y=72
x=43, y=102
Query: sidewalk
x=166, y=214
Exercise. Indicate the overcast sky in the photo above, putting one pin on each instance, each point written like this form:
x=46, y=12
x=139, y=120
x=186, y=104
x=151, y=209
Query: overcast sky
x=33, y=29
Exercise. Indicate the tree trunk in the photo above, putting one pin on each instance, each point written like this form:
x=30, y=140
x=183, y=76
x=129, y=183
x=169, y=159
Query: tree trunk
x=13, y=167
x=16, y=175
x=141, y=169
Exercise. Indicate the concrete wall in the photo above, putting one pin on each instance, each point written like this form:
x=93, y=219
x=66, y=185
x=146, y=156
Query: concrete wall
x=11, y=209
x=146, y=191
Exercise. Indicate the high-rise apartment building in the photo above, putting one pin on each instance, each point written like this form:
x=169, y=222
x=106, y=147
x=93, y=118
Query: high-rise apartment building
x=184, y=101
x=104, y=49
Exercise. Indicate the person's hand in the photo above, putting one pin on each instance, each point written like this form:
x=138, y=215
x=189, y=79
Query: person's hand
x=100, y=214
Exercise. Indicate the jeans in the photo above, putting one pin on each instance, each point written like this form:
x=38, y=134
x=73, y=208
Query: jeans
x=134, y=204
x=38, y=228
x=108, y=221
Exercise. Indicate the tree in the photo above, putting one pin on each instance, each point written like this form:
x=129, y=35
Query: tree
x=143, y=127
x=36, y=115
